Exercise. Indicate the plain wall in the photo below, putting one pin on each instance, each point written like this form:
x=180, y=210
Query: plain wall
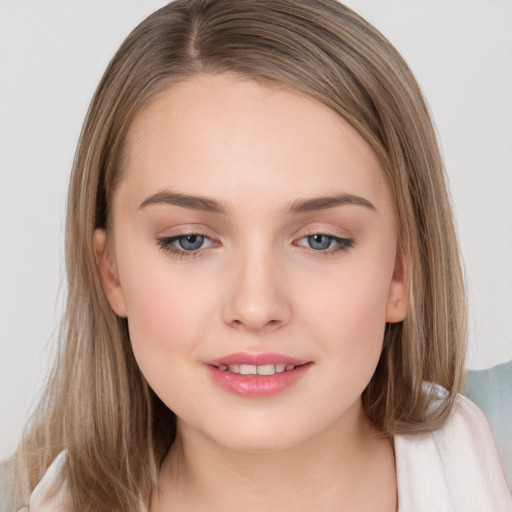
x=52, y=55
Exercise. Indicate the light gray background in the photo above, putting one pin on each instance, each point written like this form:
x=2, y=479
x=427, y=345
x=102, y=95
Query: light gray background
x=52, y=55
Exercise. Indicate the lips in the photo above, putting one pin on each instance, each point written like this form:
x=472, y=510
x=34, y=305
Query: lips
x=256, y=359
x=257, y=375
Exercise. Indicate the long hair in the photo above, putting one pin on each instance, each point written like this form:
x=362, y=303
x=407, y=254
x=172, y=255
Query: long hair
x=97, y=405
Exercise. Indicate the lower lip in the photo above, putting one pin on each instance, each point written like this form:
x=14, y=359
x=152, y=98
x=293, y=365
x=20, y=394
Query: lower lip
x=257, y=386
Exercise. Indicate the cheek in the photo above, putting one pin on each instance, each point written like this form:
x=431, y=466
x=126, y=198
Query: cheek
x=167, y=311
x=156, y=310
x=348, y=315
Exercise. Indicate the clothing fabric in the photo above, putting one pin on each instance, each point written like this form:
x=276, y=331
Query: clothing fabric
x=491, y=391
x=453, y=469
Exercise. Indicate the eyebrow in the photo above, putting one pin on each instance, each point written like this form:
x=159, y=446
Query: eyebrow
x=324, y=203
x=213, y=206
x=186, y=201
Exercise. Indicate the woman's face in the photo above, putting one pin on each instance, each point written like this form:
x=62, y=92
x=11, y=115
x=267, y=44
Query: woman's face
x=253, y=231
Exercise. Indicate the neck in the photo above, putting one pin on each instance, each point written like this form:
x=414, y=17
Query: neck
x=342, y=468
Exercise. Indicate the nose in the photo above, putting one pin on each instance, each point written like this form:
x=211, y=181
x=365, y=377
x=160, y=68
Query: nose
x=258, y=296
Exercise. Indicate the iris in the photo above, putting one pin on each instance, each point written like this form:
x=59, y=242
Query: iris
x=319, y=242
x=191, y=242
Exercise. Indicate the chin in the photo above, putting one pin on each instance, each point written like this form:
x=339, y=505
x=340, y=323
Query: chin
x=259, y=435
x=259, y=444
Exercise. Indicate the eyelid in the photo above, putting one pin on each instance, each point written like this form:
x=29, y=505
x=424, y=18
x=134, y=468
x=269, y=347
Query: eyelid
x=322, y=231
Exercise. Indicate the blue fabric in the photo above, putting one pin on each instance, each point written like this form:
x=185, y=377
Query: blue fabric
x=491, y=390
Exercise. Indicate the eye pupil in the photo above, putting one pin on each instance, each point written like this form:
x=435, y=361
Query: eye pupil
x=191, y=242
x=319, y=241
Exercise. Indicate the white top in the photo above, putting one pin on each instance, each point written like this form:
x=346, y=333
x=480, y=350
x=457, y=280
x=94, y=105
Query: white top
x=453, y=469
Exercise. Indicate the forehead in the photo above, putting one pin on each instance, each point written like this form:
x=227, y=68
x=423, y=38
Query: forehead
x=225, y=136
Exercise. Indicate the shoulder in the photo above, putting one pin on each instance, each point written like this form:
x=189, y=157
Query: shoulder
x=50, y=495
x=6, y=472
x=455, y=468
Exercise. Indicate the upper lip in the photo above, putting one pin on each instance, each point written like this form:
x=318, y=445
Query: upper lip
x=256, y=359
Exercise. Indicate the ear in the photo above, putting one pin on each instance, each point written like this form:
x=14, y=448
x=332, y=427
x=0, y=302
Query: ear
x=108, y=273
x=398, y=298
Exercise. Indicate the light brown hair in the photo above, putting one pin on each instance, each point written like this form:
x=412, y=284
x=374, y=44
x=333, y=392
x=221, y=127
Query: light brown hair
x=97, y=404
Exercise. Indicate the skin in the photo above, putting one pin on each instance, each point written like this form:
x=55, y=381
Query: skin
x=257, y=286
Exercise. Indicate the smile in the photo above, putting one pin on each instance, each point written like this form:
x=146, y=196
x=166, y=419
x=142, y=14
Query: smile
x=257, y=375
x=251, y=369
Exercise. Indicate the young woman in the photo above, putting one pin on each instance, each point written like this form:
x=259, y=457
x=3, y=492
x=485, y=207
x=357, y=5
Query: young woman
x=265, y=306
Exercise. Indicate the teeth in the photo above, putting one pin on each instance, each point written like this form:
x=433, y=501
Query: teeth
x=251, y=369
x=267, y=369
x=280, y=367
x=248, y=369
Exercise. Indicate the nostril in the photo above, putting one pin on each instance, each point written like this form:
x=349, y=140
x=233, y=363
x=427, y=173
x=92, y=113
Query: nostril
x=255, y=324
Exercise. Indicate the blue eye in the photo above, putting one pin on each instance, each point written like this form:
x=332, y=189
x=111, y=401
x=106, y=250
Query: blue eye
x=194, y=245
x=320, y=242
x=186, y=245
x=191, y=242
x=326, y=244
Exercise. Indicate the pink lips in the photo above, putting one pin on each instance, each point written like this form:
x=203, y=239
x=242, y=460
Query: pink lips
x=256, y=385
x=256, y=359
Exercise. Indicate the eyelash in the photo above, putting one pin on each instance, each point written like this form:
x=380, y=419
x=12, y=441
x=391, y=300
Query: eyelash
x=166, y=243
x=344, y=244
